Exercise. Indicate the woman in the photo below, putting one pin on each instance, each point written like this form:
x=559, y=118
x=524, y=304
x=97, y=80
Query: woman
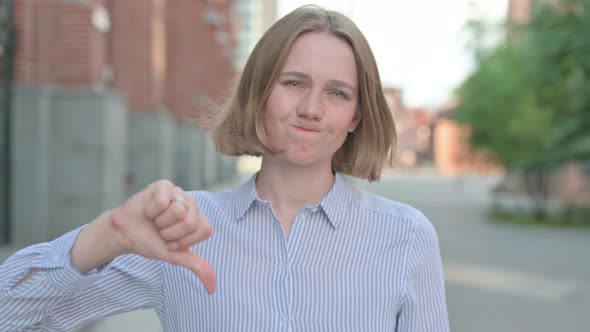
x=297, y=247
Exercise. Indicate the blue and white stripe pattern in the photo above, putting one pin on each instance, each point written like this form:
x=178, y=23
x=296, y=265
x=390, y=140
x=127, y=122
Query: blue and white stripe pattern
x=354, y=262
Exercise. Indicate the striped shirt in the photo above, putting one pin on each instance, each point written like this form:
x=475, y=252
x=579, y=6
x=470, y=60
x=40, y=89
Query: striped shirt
x=354, y=262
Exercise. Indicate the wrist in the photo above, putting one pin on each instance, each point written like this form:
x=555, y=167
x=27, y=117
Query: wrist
x=97, y=244
x=118, y=242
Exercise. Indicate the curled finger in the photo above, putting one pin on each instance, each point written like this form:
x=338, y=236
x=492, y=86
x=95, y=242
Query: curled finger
x=179, y=230
x=175, y=213
x=158, y=198
x=202, y=233
x=180, y=197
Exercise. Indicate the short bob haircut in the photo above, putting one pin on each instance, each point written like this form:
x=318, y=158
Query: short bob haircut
x=240, y=130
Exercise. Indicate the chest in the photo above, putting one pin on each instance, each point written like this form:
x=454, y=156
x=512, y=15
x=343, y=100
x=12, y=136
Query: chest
x=318, y=280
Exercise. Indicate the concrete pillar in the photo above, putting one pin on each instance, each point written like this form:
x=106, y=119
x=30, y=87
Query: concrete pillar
x=88, y=157
x=227, y=167
x=69, y=160
x=30, y=164
x=151, y=151
x=190, y=161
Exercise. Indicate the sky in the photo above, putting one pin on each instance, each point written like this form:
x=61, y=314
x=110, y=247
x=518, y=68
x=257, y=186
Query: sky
x=419, y=45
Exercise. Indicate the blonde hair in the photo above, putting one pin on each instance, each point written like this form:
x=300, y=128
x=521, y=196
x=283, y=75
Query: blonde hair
x=241, y=128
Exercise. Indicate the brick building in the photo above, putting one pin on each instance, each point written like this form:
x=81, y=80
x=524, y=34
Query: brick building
x=413, y=128
x=519, y=11
x=156, y=53
x=104, y=101
x=451, y=150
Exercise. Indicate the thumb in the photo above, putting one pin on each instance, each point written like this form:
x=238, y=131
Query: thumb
x=198, y=265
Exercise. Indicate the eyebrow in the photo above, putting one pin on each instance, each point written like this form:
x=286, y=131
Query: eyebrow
x=330, y=83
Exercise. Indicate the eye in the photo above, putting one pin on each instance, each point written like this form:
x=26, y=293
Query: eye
x=294, y=84
x=340, y=94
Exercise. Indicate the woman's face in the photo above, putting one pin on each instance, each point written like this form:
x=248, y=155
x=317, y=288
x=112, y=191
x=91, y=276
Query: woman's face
x=313, y=105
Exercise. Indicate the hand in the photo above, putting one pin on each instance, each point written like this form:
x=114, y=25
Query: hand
x=161, y=222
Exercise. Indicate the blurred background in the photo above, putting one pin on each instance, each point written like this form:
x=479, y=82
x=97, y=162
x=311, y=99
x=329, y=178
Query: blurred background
x=491, y=100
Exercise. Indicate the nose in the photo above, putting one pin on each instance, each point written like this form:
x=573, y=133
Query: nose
x=311, y=106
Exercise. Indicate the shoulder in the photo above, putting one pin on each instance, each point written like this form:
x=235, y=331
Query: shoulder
x=227, y=204
x=207, y=200
x=385, y=206
x=406, y=223
x=392, y=211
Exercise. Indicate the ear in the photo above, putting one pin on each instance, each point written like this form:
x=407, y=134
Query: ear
x=355, y=121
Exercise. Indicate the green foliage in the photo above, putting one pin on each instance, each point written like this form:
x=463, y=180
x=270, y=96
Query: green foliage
x=501, y=107
x=559, y=36
x=529, y=100
x=570, y=217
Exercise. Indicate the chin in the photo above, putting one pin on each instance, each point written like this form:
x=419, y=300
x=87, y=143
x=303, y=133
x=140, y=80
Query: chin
x=303, y=159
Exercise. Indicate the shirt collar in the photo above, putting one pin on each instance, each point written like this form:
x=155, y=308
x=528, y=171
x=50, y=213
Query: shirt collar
x=244, y=197
x=334, y=204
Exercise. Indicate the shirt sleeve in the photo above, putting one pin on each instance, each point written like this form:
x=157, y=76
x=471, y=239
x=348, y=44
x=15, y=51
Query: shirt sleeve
x=424, y=308
x=58, y=297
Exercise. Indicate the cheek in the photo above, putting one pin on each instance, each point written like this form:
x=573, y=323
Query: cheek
x=276, y=112
x=271, y=121
x=343, y=124
x=276, y=108
x=268, y=126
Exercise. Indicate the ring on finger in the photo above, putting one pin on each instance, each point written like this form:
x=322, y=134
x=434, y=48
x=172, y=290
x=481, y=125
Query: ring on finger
x=180, y=199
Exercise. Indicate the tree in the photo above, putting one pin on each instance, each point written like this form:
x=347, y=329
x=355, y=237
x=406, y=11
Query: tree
x=529, y=100
x=558, y=35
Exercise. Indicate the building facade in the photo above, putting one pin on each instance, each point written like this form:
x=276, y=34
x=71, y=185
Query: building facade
x=109, y=96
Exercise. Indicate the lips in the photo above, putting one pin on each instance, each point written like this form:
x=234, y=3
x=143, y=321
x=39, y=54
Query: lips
x=307, y=129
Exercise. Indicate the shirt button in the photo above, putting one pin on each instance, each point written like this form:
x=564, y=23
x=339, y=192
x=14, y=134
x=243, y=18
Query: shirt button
x=284, y=319
x=284, y=266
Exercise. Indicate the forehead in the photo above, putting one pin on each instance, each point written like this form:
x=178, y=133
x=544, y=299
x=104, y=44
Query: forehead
x=323, y=56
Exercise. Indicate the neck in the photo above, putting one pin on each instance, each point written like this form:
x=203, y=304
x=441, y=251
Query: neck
x=290, y=187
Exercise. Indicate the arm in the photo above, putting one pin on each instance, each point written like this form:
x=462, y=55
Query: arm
x=58, y=297
x=63, y=283
x=424, y=307
x=85, y=257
